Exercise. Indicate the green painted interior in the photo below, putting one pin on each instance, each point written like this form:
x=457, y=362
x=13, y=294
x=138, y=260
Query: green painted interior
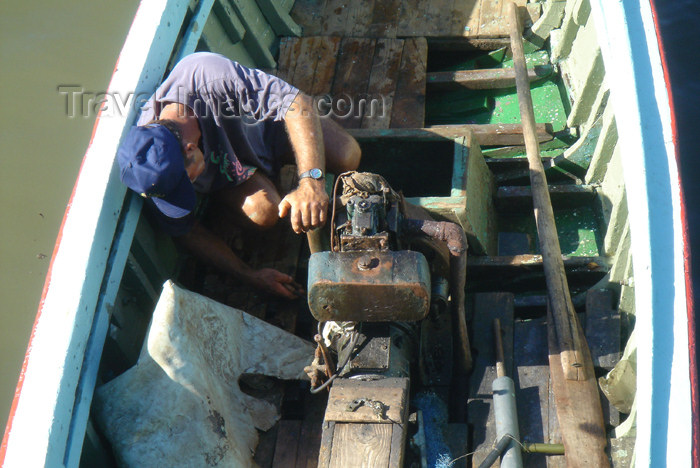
x=578, y=231
x=495, y=106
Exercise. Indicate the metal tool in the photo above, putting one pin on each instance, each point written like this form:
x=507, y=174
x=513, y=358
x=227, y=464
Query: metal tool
x=504, y=407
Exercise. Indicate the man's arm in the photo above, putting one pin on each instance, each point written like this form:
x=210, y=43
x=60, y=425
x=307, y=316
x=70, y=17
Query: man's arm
x=212, y=249
x=308, y=204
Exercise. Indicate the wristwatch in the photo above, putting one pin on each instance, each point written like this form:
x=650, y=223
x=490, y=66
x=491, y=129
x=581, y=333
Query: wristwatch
x=314, y=173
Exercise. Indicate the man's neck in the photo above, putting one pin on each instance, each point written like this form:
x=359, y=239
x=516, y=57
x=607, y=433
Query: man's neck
x=184, y=117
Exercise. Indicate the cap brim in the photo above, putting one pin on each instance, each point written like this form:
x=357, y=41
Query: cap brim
x=180, y=202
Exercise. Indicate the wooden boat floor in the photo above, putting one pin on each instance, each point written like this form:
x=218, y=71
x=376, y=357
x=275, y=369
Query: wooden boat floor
x=362, y=82
x=407, y=18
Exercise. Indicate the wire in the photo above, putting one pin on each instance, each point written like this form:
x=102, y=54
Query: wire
x=353, y=342
x=335, y=190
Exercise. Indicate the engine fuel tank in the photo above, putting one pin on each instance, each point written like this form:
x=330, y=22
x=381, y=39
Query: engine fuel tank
x=369, y=286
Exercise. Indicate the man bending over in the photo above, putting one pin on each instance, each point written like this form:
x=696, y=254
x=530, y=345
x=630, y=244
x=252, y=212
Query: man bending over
x=216, y=127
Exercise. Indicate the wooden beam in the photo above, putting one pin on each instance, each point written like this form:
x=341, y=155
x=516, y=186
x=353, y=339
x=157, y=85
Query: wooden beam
x=494, y=78
x=563, y=311
x=575, y=387
x=487, y=134
x=279, y=18
x=515, y=199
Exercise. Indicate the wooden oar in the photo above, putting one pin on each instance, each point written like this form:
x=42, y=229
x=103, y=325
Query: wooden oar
x=565, y=320
x=575, y=388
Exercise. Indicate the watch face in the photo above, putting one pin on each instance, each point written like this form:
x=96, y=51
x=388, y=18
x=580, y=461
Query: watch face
x=316, y=173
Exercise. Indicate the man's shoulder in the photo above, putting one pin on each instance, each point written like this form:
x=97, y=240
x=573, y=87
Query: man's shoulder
x=205, y=61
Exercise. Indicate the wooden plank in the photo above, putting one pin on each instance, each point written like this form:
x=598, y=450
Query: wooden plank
x=487, y=134
x=309, y=15
x=287, y=444
x=384, y=19
x=413, y=18
x=602, y=329
x=515, y=199
x=265, y=451
x=391, y=392
x=309, y=444
x=279, y=18
x=578, y=407
x=480, y=402
x=492, y=16
x=465, y=18
x=305, y=65
x=324, y=453
x=327, y=49
x=409, y=100
x=334, y=18
x=359, y=17
x=398, y=444
x=534, y=396
x=382, y=82
x=361, y=445
x=493, y=78
x=351, y=79
x=438, y=17
x=289, y=49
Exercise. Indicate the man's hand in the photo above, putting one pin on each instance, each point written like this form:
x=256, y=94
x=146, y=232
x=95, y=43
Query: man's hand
x=276, y=282
x=307, y=206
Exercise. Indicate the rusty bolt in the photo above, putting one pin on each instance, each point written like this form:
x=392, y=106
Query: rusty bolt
x=367, y=262
x=364, y=263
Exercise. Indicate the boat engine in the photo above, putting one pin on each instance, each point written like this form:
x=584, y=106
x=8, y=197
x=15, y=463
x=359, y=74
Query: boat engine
x=381, y=295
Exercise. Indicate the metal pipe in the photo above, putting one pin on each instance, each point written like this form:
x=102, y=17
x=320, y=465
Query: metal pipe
x=549, y=449
x=504, y=409
x=506, y=416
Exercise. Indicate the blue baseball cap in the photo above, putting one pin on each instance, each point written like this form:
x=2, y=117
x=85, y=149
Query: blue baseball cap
x=152, y=165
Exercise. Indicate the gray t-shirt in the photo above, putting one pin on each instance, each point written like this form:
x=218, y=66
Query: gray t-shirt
x=236, y=108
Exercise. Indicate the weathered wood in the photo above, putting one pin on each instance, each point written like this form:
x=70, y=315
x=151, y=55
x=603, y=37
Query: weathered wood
x=324, y=453
x=532, y=261
x=465, y=18
x=327, y=52
x=438, y=17
x=455, y=20
x=570, y=344
x=309, y=15
x=409, y=100
x=398, y=444
x=265, y=451
x=384, y=19
x=391, y=392
x=382, y=82
x=361, y=445
x=472, y=179
x=351, y=80
x=516, y=199
x=578, y=408
x=413, y=18
x=305, y=65
x=309, y=444
x=602, y=329
x=334, y=18
x=486, y=135
x=289, y=50
x=494, y=78
x=480, y=402
x=358, y=17
x=288, y=433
